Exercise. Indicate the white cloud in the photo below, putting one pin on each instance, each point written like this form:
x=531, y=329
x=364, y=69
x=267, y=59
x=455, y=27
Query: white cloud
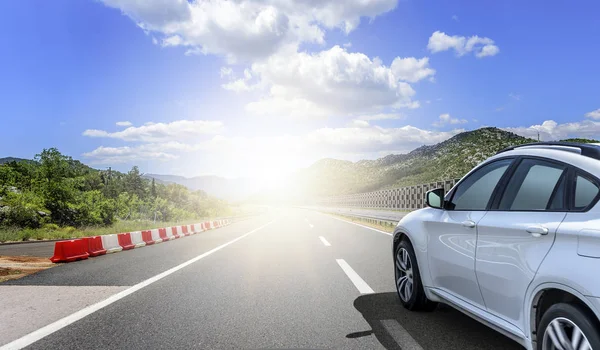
x=411, y=69
x=551, y=131
x=244, y=29
x=226, y=72
x=125, y=123
x=347, y=45
x=593, y=114
x=177, y=130
x=238, y=85
x=332, y=82
x=381, y=116
x=514, y=96
x=115, y=155
x=358, y=140
x=482, y=47
x=446, y=119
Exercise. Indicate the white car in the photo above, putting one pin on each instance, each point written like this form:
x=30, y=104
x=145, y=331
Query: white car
x=515, y=245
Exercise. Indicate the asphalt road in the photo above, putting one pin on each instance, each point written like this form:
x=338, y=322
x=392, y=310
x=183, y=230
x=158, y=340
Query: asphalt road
x=291, y=278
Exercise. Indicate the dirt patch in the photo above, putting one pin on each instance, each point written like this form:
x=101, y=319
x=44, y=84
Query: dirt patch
x=14, y=267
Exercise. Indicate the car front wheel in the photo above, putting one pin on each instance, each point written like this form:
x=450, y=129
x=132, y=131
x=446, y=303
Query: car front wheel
x=568, y=326
x=408, y=279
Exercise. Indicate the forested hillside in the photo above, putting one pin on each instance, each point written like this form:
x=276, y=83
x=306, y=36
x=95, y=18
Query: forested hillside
x=56, y=190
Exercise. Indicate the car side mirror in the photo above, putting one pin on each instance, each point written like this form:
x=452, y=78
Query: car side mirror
x=435, y=198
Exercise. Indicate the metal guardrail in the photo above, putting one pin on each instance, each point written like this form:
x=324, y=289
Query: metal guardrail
x=383, y=218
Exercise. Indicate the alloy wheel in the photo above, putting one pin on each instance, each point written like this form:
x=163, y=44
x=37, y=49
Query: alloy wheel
x=404, y=275
x=563, y=334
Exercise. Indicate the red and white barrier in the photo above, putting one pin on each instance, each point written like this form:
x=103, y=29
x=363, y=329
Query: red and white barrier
x=179, y=231
x=169, y=232
x=156, y=235
x=71, y=250
x=136, y=239
x=111, y=243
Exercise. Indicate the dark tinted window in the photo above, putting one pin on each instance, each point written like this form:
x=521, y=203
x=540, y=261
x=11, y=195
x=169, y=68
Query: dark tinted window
x=535, y=185
x=585, y=192
x=475, y=192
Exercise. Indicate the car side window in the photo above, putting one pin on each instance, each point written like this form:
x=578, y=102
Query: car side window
x=585, y=192
x=475, y=191
x=535, y=185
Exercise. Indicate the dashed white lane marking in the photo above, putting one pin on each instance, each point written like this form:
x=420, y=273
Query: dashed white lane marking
x=367, y=227
x=53, y=327
x=359, y=283
x=324, y=241
x=400, y=335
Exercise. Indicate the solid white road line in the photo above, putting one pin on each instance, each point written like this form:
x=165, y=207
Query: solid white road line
x=367, y=227
x=359, y=283
x=400, y=335
x=53, y=327
x=324, y=241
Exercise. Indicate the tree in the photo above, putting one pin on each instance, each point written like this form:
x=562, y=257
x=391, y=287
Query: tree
x=134, y=184
x=153, y=189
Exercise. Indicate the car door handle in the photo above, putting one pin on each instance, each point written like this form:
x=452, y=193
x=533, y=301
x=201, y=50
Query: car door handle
x=537, y=231
x=468, y=223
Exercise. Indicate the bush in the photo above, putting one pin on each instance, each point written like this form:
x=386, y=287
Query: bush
x=51, y=227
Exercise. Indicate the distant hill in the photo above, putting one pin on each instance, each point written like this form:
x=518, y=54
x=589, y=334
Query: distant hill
x=220, y=187
x=13, y=159
x=446, y=160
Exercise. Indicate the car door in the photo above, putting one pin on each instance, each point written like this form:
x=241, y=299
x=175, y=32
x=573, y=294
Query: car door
x=517, y=233
x=452, y=235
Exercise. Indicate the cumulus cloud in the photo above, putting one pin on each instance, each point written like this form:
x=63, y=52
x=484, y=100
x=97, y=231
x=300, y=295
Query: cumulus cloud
x=245, y=29
x=381, y=116
x=446, y=119
x=177, y=130
x=358, y=139
x=593, y=114
x=482, y=47
x=116, y=155
x=550, y=130
x=125, y=123
x=412, y=69
x=334, y=82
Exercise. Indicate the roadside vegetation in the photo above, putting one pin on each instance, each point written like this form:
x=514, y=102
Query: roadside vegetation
x=54, y=197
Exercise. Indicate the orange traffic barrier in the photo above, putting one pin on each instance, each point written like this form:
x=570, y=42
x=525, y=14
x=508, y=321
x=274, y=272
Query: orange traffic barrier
x=184, y=230
x=68, y=251
x=125, y=241
x=94, y=245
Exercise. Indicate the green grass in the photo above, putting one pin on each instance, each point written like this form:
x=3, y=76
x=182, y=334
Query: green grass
x=11, y=234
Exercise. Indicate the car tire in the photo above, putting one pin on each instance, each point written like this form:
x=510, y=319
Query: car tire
x=559, y=321
x=408, y=279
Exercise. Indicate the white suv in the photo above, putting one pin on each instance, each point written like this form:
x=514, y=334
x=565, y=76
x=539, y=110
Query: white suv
x=515, y=245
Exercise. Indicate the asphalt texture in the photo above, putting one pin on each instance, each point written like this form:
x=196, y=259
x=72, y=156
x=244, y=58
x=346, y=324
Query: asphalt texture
x=44, y=249
x=277, y=287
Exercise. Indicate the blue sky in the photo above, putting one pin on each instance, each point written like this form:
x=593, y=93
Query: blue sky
x=259, y=88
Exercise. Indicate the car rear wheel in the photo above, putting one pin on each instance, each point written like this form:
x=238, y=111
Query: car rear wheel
x=568, y=326
x=408, y=279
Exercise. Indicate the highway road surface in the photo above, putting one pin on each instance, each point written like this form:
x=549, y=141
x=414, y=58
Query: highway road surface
x=289, y=278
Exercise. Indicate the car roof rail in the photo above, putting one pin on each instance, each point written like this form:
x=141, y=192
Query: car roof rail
x=585, y=149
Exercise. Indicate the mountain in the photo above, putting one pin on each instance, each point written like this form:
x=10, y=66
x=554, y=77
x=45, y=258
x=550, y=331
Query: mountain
x=446, y=160
x=228, y=189
x=13, y=159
